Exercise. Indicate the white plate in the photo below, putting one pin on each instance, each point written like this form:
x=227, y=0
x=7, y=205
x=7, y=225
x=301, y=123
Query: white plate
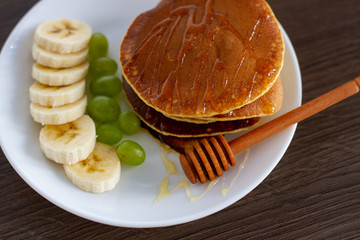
x=131, y=204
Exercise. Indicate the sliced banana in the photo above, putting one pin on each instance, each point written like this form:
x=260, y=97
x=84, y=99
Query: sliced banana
x=99, y=173
x=59, y=76
x=63, y=35
x=69, y=143
x=52, y=96
x=57, y=60
x=58, y=115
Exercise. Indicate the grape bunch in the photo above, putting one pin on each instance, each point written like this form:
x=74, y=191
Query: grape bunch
x=104, y=109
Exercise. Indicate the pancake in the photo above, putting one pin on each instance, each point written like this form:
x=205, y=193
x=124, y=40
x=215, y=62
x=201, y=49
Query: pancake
x=198, y=59
x=266, y=105
x=170, y=127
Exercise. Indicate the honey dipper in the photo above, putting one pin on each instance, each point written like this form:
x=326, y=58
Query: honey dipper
x=205, y=159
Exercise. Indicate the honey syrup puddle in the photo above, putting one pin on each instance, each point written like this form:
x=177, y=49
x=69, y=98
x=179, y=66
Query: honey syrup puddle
x=165, y=192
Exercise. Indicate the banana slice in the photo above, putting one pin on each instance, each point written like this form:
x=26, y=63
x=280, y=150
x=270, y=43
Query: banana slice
x=59, y=76
x=58, y=115
x=69, y=143
x=100, y=172
x=63, y=35
x=57, y=60
x=51, y=96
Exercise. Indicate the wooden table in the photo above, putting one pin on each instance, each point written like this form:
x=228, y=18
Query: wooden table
x=313, y=193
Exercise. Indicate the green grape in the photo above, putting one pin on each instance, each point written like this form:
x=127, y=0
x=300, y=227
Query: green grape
x=106, y=85
x=130, y=152
x=98, y=46
x=103, y=66
x=129, y=122
x=109, y=134
x=103, y=109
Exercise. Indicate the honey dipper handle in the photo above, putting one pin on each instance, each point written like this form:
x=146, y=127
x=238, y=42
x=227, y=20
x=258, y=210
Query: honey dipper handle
x=298, y=114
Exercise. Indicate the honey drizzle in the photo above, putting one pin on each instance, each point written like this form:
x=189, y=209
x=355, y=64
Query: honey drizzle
x=172, y=83
x=170, y=167
x=158, y=70
x=225, y=190
x=165, y=192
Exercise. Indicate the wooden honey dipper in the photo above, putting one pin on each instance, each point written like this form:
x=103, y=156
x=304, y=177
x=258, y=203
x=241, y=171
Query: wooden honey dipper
x=205, y=159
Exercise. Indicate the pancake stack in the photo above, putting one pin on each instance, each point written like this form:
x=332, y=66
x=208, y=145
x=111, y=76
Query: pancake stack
x=200, y=68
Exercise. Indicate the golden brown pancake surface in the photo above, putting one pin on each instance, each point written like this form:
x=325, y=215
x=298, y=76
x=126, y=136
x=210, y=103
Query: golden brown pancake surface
x=200, y=58
x=266, y=105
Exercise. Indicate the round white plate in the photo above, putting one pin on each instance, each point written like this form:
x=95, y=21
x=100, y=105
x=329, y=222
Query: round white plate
x=131, y=203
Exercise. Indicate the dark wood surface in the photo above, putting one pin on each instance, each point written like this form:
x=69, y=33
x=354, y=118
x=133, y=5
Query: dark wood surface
x=313, y=193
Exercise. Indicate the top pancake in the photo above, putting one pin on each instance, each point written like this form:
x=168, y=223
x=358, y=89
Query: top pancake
x=196, y=58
